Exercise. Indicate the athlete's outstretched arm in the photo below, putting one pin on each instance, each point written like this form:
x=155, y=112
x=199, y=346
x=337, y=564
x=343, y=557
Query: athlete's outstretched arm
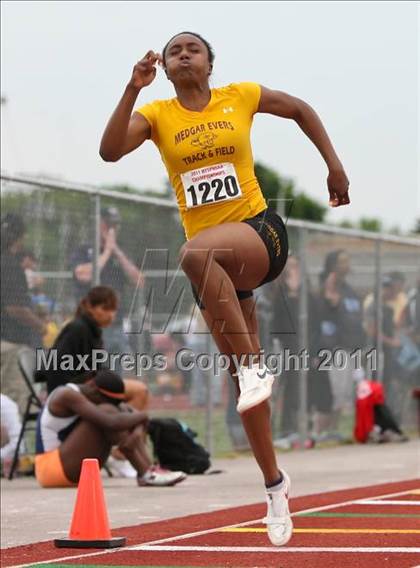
x=286, y=106
x=126, y=132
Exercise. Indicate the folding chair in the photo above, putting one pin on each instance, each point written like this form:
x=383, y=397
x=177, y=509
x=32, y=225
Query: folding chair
x=27, y=366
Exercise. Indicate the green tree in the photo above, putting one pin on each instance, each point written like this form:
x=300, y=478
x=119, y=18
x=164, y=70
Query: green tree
x=297, y=205
x=370, y=224
x=346, y=224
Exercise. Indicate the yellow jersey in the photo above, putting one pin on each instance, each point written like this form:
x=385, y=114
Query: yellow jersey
x=208, y=155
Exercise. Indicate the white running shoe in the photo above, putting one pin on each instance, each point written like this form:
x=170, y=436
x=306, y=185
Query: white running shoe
x=121, y=468
x=255, y=385
x=158, y=477
x=278, y=520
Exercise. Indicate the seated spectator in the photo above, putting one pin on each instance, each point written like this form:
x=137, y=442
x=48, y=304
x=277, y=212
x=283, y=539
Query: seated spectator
x=10, y=429
x=20, y=326
x=85, y=421
x=80, y=337
x=374, y=420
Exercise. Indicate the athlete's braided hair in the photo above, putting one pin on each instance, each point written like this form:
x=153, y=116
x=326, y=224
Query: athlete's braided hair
x=210, y=51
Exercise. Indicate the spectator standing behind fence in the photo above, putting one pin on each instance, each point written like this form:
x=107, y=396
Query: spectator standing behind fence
x=42, y=304
x=409, y=356
x=399, y=303
x=285, y=325
x=20, y=326
x=116, y=271
x=412, y=314
x=342, y=330
x=30, y=266
x=398, y=298
x=389, y=336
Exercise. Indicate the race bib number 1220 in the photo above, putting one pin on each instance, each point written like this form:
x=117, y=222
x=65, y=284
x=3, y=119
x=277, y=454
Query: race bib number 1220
x=212, y=184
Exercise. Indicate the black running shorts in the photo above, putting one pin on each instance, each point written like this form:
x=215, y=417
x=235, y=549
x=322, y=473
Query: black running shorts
x=272, y=231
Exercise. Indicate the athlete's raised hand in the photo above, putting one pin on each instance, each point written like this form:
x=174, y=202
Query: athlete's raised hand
x=338, y=187
x=144, y=71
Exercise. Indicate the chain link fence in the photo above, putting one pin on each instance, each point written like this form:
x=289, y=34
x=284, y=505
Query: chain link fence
x=321, y=347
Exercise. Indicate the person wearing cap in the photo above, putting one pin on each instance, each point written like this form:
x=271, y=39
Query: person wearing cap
x=116, y=270
x=20, y=326
x=85, y=421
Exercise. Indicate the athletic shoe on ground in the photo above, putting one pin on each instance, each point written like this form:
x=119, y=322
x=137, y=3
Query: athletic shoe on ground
x=255, y=386
x=159, y=469
x=278, y=520
x=158, y=477
x=375, y=436
x=391, y=436
x=121, y=468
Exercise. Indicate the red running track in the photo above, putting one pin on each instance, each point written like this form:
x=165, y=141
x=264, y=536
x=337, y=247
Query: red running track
x=385, y=519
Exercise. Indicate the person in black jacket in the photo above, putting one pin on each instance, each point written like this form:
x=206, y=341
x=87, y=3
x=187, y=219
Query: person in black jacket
x=285, y=326
x=78, y=339
x=342, y=332
x=81, y=336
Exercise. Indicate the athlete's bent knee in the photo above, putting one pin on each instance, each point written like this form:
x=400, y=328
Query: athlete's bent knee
x=193, y=260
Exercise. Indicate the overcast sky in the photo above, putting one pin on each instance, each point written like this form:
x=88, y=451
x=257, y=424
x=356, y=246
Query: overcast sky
x=65, y=64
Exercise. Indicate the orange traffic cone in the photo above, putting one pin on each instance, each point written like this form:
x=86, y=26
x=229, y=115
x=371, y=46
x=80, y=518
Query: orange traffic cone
x=90, y=526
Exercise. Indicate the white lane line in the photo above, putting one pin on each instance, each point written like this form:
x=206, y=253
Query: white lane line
x=385, y=502
x=277, y=550
x=200, y=533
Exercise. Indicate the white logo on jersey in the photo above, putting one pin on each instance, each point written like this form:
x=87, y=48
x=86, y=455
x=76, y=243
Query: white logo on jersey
x=228, y=109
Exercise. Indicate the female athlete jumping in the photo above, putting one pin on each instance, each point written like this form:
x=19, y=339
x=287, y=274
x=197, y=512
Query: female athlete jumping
x=234, y=243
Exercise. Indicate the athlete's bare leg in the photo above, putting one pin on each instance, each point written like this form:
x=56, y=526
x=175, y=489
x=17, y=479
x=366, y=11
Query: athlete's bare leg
x=132, y=447
x=256, y=421
x=137, y=396
x=89, y=441
x=217, y=261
